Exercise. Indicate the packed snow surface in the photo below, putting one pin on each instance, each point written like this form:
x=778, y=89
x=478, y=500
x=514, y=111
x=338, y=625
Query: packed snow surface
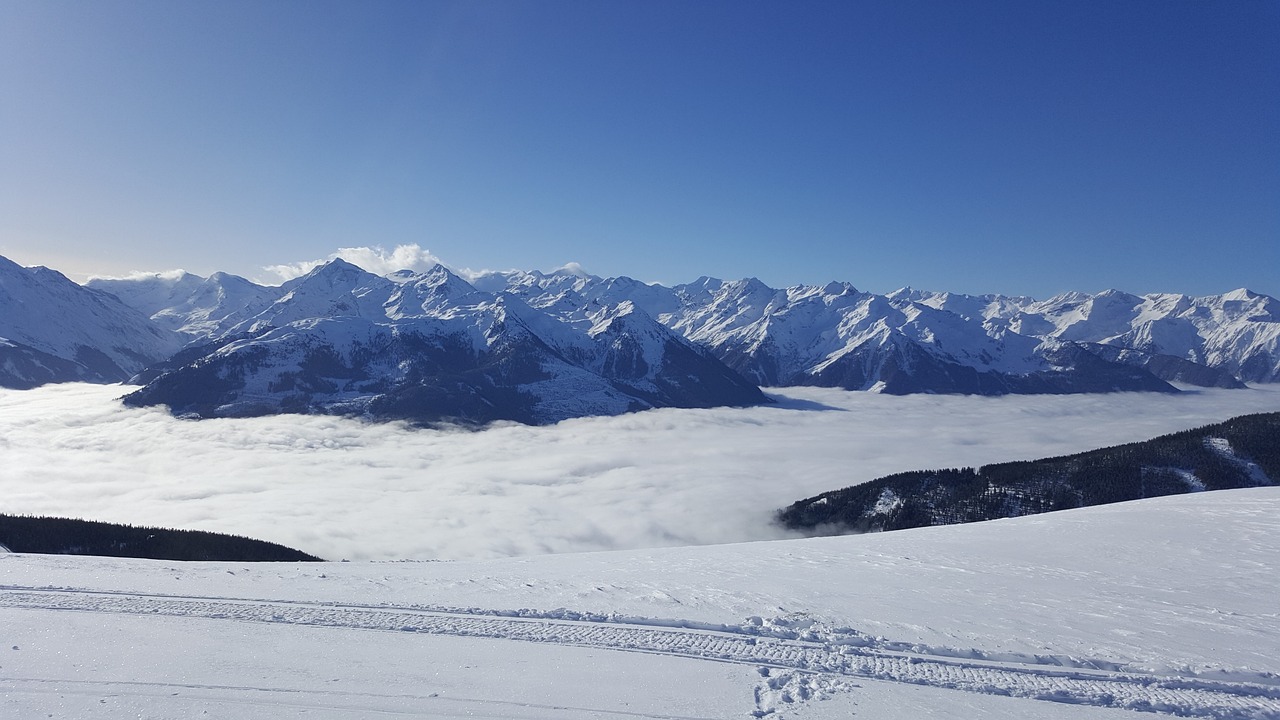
x=1166, y=606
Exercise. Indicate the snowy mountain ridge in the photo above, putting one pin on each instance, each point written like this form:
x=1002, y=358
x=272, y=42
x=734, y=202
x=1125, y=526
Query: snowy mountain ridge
x=54, y=330
x=809, y=327
x=539, y=333
x=796, y=335
x=432, y=348
x=187, y=303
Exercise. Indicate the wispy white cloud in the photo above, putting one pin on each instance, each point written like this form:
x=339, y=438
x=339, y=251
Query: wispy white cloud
x=573, y=268
x=342, y=488
x=375, y=259
x=168, y=276
x=380, y=261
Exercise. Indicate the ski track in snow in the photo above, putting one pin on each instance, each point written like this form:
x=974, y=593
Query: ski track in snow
x=791, y=670
x=367, y=704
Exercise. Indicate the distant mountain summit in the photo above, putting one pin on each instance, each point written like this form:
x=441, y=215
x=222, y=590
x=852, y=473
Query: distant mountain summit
x=188, y=303
x=912, y=341
x=540, y=347
x=53, y=330
x=432, y=348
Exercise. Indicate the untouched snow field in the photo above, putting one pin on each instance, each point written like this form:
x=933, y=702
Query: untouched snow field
x=1166, y=605
x=341, y=488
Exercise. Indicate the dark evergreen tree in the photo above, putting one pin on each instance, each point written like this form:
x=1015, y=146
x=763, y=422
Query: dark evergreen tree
x=65, y=536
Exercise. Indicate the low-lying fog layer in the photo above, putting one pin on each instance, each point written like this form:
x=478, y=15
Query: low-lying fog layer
x=342, y=488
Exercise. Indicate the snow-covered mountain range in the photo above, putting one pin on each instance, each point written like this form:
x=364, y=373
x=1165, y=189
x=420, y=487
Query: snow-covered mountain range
x=429, y=347
x=539, y=347
x=53, y=330
x=910, y=341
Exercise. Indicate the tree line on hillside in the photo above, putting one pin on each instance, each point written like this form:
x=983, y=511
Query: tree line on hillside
x=1241, y=452
x=65, y=536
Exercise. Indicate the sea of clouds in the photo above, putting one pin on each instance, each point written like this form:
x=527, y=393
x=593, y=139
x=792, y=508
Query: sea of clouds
x=342, y=488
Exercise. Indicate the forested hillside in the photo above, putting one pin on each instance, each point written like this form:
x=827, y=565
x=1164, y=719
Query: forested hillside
x=1241, y=452
x=64, y=536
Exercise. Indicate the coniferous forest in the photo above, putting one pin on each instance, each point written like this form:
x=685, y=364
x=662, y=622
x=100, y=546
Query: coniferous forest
x=65, y=536
x=1241, y=452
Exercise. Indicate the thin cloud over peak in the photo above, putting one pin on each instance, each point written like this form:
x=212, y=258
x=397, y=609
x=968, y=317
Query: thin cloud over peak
x=168, y=276
x=375, y=259
x=572, y=268
x=380, y=261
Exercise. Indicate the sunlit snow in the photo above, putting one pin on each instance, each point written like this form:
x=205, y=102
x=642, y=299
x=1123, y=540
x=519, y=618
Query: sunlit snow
x=1164, y=605
x=341, y=488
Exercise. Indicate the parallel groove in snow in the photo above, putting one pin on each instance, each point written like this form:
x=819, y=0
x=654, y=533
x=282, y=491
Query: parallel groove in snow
x=1178, y=696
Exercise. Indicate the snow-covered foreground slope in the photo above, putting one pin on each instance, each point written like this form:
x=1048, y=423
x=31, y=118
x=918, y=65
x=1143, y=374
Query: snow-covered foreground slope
x=1165, y=605
x=340, y=488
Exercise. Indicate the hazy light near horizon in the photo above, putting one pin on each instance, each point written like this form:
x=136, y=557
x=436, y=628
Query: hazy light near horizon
x=342, y=488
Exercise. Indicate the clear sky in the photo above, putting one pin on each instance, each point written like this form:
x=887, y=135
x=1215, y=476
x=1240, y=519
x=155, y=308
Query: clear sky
x=987, y=146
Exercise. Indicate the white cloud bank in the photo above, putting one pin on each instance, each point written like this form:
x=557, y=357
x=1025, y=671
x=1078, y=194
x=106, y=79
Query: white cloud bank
x=346, y=489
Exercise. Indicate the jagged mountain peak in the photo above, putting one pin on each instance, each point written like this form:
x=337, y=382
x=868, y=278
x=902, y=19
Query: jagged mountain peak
x=438, y=273
x=151, y=293
x=436, y=291
x=1070, y=297
x=334, y=272
x=906, y=341
x=335, y=289
x=573, y=269
x=1112, y=293
x=186, y=302
x=752, y=284
x=49, y=274
x=1242, y=294
x=55, y=330
x=612, y=318
x=623, y=283
x=334, y=277
x=444, y=279
x=474, y=359
x=836, y=287
x=705, y=282
x=226, y=282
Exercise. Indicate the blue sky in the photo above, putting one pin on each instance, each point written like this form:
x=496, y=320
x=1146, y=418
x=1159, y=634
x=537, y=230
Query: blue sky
x=1014, y=147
